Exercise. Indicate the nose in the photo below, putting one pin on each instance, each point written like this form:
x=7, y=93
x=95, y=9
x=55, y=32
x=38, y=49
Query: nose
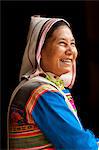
x=68, y=52
x=71, y=51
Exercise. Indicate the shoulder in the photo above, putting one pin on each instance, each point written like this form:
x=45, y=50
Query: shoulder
x=41, y=91
x=39, y=94
x=34, y=89
x=44, y=95
x=44, y=88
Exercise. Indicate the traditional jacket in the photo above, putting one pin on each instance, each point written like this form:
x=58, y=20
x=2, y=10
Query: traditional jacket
x=42, y=116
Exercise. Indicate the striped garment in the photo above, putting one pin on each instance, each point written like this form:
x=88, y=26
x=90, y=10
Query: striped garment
x=41, y=119
x=23, y=131
x=27, y=137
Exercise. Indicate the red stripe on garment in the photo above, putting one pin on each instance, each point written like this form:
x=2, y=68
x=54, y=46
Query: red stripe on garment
x=37, y=99
x=28, y=101
x=20, y=135
x=35, y=148
x=34, y=98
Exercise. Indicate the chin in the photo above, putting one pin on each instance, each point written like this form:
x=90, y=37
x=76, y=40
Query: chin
x=62, y=71
x=66, y=71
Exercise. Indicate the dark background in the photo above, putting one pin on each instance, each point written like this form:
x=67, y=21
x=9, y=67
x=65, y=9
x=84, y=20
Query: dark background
x=83, y=17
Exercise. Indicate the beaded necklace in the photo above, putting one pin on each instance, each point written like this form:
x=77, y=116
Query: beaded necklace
x=56, y=80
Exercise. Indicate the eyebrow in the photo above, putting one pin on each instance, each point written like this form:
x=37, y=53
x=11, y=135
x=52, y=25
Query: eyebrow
x=73, y=40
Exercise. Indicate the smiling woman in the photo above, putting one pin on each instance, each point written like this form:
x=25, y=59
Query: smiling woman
x=42, y=113
x=60, y=49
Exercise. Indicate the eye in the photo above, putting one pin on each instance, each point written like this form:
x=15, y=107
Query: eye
x=73, y=43
x=62, y=43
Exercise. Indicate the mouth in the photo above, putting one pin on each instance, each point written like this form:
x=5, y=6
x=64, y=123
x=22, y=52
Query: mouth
x=66, y=61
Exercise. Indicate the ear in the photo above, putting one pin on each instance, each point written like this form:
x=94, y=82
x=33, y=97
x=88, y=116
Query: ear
x=43, y=51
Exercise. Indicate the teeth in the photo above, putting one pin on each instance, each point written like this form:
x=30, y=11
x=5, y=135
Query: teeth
x=66, y=60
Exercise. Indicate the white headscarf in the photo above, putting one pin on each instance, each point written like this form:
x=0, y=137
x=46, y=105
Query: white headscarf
x=39, y=27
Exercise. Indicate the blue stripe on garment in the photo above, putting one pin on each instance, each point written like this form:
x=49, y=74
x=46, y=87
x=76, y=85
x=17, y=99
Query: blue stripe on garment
x=66, y=91
x=57, y=122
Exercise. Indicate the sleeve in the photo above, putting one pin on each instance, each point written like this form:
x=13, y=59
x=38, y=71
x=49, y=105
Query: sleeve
x=59, y=125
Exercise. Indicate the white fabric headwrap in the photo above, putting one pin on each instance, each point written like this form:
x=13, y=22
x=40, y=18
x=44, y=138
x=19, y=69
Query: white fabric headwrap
x=31, y=57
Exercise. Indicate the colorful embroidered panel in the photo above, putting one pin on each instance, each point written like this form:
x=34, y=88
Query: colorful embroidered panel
x=23, y=132
x=27, y=136
x=70, y=98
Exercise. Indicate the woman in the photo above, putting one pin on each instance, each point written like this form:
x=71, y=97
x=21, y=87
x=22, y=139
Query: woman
x=42, y=114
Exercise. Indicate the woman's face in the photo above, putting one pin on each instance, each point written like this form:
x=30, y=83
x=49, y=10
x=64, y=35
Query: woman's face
x=59, y=52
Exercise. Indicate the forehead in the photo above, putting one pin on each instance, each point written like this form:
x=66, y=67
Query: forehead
x=62, y=32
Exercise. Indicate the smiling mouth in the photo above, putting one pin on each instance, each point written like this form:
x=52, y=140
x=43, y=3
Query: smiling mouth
x=67, y=61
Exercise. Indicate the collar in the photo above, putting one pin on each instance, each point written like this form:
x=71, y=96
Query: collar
x=53, y=78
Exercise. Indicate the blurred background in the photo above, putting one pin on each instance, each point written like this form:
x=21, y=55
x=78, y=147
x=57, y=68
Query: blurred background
x=84, y=19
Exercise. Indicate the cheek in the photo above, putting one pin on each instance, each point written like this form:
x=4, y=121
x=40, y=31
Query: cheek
x=57, y=52
x=55, y=57
x=75, y=53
